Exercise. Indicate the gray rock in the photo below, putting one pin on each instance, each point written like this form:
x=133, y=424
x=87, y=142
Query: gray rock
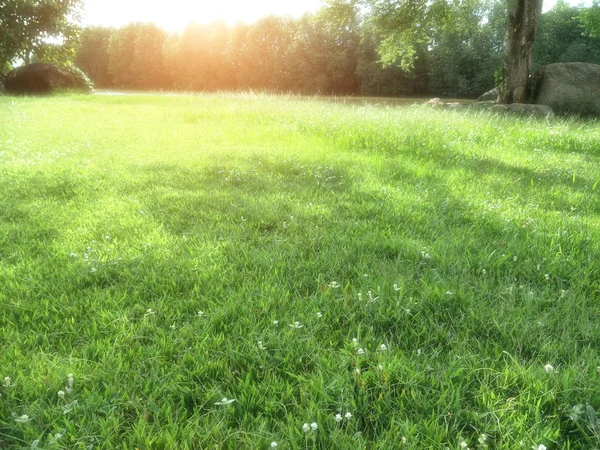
x=42, y=78
x=492, y=95
x=569, y=88
x=522, y=109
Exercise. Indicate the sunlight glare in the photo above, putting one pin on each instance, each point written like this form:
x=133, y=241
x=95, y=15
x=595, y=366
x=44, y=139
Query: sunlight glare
x=174, y=15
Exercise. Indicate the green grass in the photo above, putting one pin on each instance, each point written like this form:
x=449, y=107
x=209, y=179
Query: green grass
x=161, y=249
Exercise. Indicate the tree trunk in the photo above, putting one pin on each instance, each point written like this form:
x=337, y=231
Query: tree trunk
x=522, y=21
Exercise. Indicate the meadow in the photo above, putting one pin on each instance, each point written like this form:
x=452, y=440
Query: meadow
x=250, y=272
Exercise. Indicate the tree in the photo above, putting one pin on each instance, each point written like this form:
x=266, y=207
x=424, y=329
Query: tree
x=92, y=55
x=44, y=28
x=407, y=25
x=590, y=19
x=522, y=20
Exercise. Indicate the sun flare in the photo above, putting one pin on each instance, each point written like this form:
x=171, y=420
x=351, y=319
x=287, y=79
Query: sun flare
x=175, y=14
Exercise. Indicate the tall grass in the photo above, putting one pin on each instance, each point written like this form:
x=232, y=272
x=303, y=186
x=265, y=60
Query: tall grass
x=433, y=273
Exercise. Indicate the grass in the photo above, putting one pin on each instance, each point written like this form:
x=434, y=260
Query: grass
x=434, y=273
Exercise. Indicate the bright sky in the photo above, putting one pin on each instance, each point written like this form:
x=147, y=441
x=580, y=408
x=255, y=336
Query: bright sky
x=174, y=15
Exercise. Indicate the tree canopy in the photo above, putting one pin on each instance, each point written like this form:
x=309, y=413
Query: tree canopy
x=44, y=29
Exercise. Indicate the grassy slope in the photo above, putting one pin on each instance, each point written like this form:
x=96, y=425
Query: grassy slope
x=148, y=243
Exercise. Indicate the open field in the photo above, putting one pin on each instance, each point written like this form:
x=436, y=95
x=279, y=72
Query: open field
x=435, y=274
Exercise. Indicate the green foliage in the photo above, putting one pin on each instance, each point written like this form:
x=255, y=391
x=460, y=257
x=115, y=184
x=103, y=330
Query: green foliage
x=92, y=55
x=149, y=243
x=43, y=29
x=450, y=49
x=562, y=37
x=590, y=20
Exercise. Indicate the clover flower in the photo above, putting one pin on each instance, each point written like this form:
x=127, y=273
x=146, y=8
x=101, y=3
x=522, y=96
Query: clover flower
x=549, y=368
x=22, y=419
x=61, y=394
x=274, y=444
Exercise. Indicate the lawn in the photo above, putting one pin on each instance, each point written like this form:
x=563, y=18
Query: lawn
x=250, y=271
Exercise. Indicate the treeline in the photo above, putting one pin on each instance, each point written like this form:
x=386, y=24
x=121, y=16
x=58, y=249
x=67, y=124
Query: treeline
x=332, y=52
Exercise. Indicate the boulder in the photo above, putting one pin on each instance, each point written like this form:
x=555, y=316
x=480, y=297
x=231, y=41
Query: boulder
x=522, y=109
x=568, y=88
x=42, y=78
x=492, y=95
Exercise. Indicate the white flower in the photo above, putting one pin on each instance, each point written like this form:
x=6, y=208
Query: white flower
x=306, y=427
x=149, y=312
x=107, y=238
x=462, y=443
x=200, y=313
x=379, y=367
x=549, y=368
x=22, y=419
x=276, y=322
x=93, y=270
x=538, y=447
x=225, y=401
x=314, y=426
x=383, y=348
x=338, y=418
x=334, y=285
x=404, y=441
x=348, y=415
x=296, y=325
x=274, y=444
x=482, y=439
x=319, y=315
x=360, y=351
x=7, y=382
x=61, y=394
x=74, y=255
x=70, y=380
x=396, y=288
x=260, y=345
x=355, y=342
